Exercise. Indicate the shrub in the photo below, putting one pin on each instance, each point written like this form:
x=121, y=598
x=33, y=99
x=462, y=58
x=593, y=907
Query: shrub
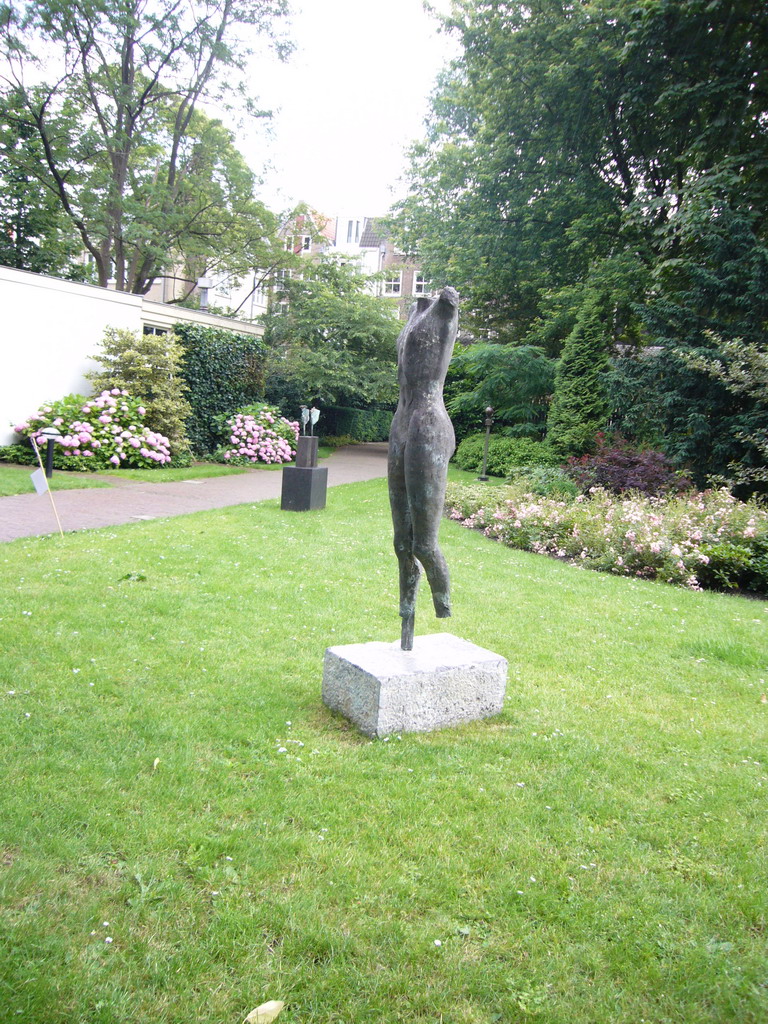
x=147, y=365
x=338, y=441
x=23, y=454
x=503, y=454
x=696, y=540
x=258, y=433
x=101, y=432
x=223, y=370
x=548, y=481
x=359, y=424
x=618, y=467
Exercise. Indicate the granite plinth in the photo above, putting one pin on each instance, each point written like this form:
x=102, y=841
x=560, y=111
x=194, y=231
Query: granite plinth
x=443, y=681
x=306, y=451
x=304, y=488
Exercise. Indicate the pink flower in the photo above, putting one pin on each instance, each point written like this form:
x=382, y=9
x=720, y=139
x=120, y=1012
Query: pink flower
x=141, y=411
x=115, y=460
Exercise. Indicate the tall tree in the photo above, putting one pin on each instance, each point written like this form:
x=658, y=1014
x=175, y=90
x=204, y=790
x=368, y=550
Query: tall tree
x=112, y=90
x=331, y=337
x=567, y=142
x=35, y=234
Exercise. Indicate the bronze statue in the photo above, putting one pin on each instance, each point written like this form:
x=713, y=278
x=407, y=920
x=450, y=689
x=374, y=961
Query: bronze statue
x=421, y=441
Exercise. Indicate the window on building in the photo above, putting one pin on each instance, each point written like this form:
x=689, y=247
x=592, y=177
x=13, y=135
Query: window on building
x=149, y=329
x=306, y=242
x=350, y=230
x=394, y=285
x=420, y=285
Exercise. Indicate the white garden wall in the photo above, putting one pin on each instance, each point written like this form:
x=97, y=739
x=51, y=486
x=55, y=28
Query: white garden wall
x=50, y=328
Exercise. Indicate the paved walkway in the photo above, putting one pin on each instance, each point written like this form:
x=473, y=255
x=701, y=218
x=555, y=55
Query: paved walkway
x=29, y=515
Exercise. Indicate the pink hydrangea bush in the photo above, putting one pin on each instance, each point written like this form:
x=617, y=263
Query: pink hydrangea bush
x=101, y=432
x=696, y=540
x=259, y=434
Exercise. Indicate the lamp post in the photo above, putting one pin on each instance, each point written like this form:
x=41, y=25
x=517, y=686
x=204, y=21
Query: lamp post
x=50, y=434
x=488, y=425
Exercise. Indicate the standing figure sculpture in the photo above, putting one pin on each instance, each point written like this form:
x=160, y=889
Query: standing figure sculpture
x=421, y=442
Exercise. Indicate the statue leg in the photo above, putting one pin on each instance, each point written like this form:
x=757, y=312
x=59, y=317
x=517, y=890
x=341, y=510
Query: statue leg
x=409, y=568
x=426, y=481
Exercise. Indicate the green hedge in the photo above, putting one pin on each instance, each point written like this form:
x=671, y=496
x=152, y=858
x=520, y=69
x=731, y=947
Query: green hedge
x=358, y=424
x=224, y=371
x=503, y=454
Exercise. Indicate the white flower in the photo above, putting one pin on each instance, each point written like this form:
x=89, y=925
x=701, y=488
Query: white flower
x=438, y=942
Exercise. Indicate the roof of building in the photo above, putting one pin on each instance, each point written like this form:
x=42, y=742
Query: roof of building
x=372, y=236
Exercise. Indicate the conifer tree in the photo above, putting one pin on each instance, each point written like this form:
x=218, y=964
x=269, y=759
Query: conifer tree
x=579, y=408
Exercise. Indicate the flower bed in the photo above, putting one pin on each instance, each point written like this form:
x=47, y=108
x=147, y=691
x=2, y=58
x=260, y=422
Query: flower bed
x=699, y=540
x=101, y=432
x=259, y=434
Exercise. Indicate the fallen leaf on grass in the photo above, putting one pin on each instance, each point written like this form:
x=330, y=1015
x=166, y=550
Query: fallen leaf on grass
x=265, y=1013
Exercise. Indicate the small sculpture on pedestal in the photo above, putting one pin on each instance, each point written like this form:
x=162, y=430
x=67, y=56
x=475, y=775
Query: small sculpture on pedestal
x=305, y=484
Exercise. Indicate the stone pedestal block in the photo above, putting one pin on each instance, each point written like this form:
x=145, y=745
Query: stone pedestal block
x=306, y=451
x=443, y=681
x=304, y=488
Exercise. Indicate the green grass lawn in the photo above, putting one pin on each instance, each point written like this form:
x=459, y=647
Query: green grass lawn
x=199, y=471
x=173, y=784
x=16, y=480
x=461, y=476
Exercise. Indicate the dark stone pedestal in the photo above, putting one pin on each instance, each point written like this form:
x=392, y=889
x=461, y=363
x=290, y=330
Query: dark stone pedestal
x=304, y=488
x=306, y=451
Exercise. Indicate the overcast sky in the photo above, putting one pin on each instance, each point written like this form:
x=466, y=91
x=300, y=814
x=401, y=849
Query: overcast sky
x=347, y=103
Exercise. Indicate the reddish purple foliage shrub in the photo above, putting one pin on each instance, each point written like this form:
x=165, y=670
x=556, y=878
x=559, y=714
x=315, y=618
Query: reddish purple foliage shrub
x=618, y=467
